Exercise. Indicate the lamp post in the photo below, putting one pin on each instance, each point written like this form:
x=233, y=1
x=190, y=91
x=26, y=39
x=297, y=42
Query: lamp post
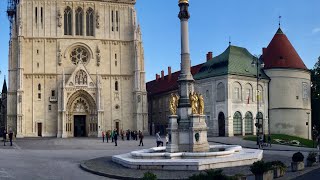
x=308, y=124
x=257, y=62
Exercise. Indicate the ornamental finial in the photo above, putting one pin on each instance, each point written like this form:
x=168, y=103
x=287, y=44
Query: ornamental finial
x=183, y=1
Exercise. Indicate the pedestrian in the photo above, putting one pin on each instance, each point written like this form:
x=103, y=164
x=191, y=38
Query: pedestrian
x=260, y=142
x=136, y=135
x=115, y=137
x=112, y=136
x=167, y=139
x=269, y=140
x=141, y=138
x=10, y=136
x=108, y=136
x=102, y=136
x=128, y=134
x=4, y=137
x=122, y=135
x=159, y=140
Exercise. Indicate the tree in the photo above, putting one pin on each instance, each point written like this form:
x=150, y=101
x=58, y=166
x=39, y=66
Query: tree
x=315, y=94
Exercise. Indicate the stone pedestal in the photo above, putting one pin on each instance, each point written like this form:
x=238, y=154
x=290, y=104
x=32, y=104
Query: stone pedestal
x=173, y=134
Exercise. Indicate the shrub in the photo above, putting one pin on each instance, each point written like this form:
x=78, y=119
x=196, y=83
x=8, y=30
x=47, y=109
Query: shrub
x=279, y=164
x=312, y=157
x=260, y=167
x=211, y=174
x=297, y=157
x=149, y=176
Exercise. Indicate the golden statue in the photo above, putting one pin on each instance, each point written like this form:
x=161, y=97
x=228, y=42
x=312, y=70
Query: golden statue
x=173, y=103
x=201, y=104
x=193, y=98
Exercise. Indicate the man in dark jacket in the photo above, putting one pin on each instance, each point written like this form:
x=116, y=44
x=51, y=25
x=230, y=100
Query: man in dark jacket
x=10, y=136
x=115, y=136
x=141, y=138
x=4, y=137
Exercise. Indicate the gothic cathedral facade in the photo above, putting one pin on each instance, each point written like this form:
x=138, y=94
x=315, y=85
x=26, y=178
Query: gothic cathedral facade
x=76, y=68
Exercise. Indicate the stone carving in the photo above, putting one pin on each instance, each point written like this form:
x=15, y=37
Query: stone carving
x=173, y=103
x=98, y=56
x=59, y=55
x=97, y=20
x=59, y=17
x=81, y=78
x=193, y=98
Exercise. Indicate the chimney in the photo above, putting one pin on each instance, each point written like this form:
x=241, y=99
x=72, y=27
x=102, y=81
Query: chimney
x=162, y=75
x=157, y=77
x=209, y=56
x=169, y=73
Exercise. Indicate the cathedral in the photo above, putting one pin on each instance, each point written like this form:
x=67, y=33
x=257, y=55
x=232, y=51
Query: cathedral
x=76, y=68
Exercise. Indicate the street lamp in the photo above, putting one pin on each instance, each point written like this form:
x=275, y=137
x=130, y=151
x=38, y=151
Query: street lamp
x=307, y=123
x=257, y=62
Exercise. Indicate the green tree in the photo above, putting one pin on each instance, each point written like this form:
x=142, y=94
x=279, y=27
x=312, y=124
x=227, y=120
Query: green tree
x=315, y=94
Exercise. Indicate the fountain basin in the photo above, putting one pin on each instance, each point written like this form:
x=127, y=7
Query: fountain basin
x=157, y=158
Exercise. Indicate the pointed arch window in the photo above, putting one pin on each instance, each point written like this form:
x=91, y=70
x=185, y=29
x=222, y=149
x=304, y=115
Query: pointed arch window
x=68, y=21
x=79, y=21
x=89, y=21
x=116, y=86
x=36, y=15
x=39, y=87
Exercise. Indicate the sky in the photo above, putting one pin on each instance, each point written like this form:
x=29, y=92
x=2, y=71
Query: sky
x=249, y=23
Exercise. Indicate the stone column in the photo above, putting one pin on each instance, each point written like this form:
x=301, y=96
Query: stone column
x=173, y=134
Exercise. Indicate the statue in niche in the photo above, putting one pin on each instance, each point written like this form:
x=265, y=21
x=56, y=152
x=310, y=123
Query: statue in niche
x=59, y=17
x=193, y=98
x=173, y=103
x=81, y=78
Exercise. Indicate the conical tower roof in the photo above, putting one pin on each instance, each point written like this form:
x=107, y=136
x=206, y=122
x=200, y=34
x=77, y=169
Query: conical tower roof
x=281, y=54
x=4, y=87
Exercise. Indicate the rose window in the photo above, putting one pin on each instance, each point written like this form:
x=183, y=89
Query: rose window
x=79, y=54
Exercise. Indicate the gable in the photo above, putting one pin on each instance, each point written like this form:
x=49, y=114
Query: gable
x=80, y=78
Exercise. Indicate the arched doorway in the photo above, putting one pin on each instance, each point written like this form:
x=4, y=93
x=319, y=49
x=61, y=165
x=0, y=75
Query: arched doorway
x=221, y=122
x=248, y=123
x=81, y=115
x=237, y=123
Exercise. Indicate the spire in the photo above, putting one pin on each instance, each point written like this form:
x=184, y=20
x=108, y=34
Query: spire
x=4, y=87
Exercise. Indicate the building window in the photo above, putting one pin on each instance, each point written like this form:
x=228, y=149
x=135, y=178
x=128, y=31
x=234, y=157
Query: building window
x=305, y=90
x=41, y=14
x=79, y=22
x=115, y=56
x=260, y=94
x=79, y=54
x=112, y=19
x=237, y=123
x=89, y=19
x=53, y=93
x=49, y=107
x=115, y=63
x=236, y=93
x=36, y=15
x=220, y=92
x=39, y=95
x=248, y=123
x=39, y=87
x=116, y=86
x=68, y=21
x=117, y=20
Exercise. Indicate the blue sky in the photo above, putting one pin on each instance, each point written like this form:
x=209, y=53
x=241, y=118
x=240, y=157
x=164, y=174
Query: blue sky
x=249, y=23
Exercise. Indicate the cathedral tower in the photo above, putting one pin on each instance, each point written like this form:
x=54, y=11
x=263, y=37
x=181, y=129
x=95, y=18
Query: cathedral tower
x=76, y=68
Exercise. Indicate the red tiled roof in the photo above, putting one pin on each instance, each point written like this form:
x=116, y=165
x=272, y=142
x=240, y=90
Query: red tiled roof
x=166, y=85
x=281, y=54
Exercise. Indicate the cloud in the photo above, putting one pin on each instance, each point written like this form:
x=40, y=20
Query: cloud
x=316, y=30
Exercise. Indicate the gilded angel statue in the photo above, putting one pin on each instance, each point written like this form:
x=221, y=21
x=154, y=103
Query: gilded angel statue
x=201, y=104
x=193, y=98
x=173, y=103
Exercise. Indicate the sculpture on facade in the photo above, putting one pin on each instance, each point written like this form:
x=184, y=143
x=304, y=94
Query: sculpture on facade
x=173, y=103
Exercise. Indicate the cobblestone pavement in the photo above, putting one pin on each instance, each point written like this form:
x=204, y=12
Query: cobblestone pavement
x=59, y=159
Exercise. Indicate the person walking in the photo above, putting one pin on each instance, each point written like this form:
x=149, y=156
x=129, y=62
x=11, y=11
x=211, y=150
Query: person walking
x=108, y=135
x=115, y=137
x=112, y=136
x=141, y=138
x=4, y=137
x=10, y=136
x=159, y=140
x=269, y=140
x=102, y=136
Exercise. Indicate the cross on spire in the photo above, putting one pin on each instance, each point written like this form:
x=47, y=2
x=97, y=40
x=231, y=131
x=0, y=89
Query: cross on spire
x=280, y=21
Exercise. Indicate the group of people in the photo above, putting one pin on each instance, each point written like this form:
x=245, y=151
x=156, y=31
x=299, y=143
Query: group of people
x=5, y=137
x=159, y=140
x=114, y=136
x=263, y=141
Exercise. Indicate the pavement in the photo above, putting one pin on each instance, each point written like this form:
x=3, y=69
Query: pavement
x=60, y=159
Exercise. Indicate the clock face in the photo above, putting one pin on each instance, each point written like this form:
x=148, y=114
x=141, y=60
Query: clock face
x=79, y=54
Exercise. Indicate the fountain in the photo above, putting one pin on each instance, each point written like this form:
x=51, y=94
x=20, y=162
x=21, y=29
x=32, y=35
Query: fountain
x=188, y=147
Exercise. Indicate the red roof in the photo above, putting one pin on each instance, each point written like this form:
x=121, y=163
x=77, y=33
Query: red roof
x=281, y=54
x=166, y=84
